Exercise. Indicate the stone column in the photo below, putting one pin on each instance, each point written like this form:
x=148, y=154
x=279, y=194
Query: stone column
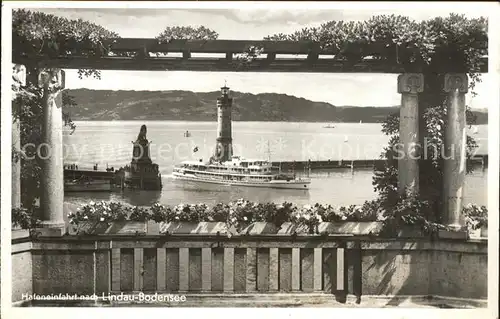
x=19, y=79
x=409, y=85
x=455, y=141
x=51, y=150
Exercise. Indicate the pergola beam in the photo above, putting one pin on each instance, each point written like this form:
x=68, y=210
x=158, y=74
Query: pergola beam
x=213, y=46
x=315, y=60
x=187, y=63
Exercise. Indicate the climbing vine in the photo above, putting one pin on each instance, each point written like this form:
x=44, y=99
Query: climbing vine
x=187, y=33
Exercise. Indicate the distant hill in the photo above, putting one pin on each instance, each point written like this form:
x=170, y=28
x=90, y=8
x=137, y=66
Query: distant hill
x=109, y=105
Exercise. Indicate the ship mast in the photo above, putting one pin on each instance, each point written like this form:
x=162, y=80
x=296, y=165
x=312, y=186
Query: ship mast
x=269, y=157
x=268, y=152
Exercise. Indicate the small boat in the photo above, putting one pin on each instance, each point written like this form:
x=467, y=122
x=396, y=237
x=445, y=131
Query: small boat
x=475, y=130
x=346, y=139
x=329, y=126
x=86, y=185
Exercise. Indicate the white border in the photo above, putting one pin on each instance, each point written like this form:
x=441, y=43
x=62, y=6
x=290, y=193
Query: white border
x=458, y=6
x=486, y=9
x=493, y=154
x=6, y=135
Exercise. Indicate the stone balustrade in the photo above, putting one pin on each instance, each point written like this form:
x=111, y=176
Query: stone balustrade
x=342, y=267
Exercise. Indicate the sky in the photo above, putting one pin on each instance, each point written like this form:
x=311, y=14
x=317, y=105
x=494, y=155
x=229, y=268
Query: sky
x=250, y=24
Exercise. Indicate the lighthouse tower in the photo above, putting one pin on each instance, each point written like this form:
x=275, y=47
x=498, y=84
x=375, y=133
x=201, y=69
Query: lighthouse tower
x=224, y=146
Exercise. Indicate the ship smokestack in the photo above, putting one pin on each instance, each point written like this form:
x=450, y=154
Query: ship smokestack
x=224, y=146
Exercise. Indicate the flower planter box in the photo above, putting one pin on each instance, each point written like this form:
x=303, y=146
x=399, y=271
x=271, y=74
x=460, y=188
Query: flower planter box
x=89, y=228
x=291, y=228
x=451, y=234
x=260, y=228
x=484, y=232
x=127, y=228
x=355, y=228
x=212, y=228
x=193, y=228
x=113, y=228
x=410, y=232
x=264, y=228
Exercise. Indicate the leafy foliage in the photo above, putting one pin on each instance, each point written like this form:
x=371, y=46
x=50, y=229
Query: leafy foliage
x=249, y=55
x=432, y=47
x=187, y=33
x=102, y=212
x=475, y=216
x=24, y=219
x=37, y=33
x=399, y=40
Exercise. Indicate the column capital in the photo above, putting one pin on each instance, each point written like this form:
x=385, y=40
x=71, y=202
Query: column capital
x=52, y=78
x=411, y=83
x=456, y=81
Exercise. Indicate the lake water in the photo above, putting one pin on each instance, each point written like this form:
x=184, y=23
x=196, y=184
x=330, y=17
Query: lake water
x=109, y=143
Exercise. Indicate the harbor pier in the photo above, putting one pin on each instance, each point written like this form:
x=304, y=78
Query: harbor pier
x=479, y=160
x=286, y=166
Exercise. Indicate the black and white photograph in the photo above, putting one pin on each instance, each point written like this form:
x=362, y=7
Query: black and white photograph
x=224, y=155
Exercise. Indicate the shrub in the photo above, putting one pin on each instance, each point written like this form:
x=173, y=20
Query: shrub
x=475, y=217
x=24, y=219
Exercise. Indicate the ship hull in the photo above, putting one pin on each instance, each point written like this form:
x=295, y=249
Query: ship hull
x=87, y=187
x=292, y=184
